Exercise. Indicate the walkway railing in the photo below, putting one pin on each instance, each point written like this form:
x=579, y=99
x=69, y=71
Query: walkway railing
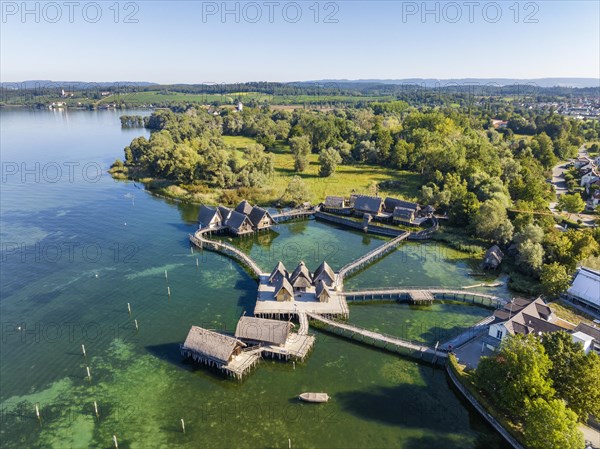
x=200, y=241
x=389, y=342
x=452, y=294
x=294, y=213
x=369, y=257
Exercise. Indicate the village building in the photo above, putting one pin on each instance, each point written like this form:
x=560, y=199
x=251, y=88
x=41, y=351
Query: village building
x=522, y=317
x=336, y=205
x=324, y=273
x=244, y=208
x=390, y=204
x=493, y=258
x=283, y=290
x=585, y=289
x=403, y=215
x=322, y=293
x=217, y=350
x=301, y=279
x=278, y=273
x=239, y=224
x=209, y=218
x=225, y=213
x=261, y=330
x=372, y=205
x=260, y=218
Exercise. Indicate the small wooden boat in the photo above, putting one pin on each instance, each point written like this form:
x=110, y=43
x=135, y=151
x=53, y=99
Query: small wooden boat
x=314, y=397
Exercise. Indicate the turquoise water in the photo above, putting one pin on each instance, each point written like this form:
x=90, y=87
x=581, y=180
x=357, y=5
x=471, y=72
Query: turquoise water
x=75, y=253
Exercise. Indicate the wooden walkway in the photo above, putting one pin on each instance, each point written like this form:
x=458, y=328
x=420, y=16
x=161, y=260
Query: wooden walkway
x=387, y=342
x=303, y=330
x=293, y=214
x=404, y=293
x=199, y=240
x=368, y=258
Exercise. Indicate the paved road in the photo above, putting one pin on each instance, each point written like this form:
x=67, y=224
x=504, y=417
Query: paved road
x=560, y=187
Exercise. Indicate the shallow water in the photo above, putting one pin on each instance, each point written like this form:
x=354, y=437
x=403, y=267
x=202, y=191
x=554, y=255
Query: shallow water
x=75, y=253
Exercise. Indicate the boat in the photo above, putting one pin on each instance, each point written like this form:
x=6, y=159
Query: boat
x=314, y=397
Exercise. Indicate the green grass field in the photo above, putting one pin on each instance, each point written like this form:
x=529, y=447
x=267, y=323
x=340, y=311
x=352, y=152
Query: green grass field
x=347, y=179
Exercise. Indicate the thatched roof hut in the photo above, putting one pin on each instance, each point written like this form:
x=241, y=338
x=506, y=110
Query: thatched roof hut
x=284, y=290
x=244, y=208
x=239, y=223
x=493, y=258
x=324, y=273
x=263, y=330
x=261, y=218
x=322, y=292
x=368, y=204
x=278, y=272
x=392, y=203
x=209, y=346
x=209, y=217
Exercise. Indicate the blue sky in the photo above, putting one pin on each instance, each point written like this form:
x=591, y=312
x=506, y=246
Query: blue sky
x=174, y=42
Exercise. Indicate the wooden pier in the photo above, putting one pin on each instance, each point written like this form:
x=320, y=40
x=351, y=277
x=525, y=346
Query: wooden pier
x=407, y=293
x=294, y=214
x=382, y=341
x=199, y=240
x=369, y=258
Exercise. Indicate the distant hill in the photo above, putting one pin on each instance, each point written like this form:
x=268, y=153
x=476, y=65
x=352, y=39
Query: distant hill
x=36, y=84
x=433, y=82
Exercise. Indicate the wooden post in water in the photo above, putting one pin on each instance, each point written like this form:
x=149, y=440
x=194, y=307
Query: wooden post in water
x=136, y=325
x=89, y=376
x=129, y=309
x=197, y=263
x=182, y=425
x=166, y=276
x=83, y=350
x=115, y=442
x=37, y=413
x=96, y=410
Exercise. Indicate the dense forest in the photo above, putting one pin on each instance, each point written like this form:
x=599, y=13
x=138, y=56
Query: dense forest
x=490, y=182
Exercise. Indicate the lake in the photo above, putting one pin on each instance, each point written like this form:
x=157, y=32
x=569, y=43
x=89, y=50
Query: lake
x=77, y=247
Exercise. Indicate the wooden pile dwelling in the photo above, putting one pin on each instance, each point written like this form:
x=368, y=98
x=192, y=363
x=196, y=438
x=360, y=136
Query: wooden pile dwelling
x=223, y=352
x=244, y=219
x=274, y=337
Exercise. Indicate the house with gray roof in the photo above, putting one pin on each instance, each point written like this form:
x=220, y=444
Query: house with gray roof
x=534, y=318
x=210, y=347
x=260, y=218
x=244, y=208
x=322, y=293
x=390, y=204
x=372, y=205
x=209, y=217
x=262, y=331
x=301, y=278
x=284, y=290
x=278, y=273
x=239, y=224
x=324, y=273
x=403, y=215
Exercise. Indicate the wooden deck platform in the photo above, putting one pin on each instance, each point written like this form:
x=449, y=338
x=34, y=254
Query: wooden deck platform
x=405, y=294
x=268, y=307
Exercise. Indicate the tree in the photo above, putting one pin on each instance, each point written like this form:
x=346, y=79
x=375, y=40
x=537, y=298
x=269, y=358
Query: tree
x=574, y=374
x=517, y=374
x=296, y=192
x=492, y=223
x=300, y=146
x=530, y=255
x=551, y=425
x=329, y=160
x=554, y=279
x=571, y=203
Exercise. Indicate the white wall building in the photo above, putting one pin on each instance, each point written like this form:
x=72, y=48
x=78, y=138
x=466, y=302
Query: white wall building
x=585, y=289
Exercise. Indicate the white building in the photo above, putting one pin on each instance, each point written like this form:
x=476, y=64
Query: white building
x=584, y=339
x=585, y=289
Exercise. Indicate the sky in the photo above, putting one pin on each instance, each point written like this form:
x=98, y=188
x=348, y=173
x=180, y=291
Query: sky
x=228, y=42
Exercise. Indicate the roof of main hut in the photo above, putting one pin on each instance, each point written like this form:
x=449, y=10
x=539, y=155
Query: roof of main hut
x=301, y=270
x=392, y=203
x=324, y=268
x=262, y=329
x=244, y=207
x=211, y=344
x=322, y=288
x=404, y=212
x=284, y=284
x=334, y=201
x=257, y=214
x=206, y=215
x=371, y=204
x=279, y=269
x=225, y=212
x=493, y=257
x=236, y=220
